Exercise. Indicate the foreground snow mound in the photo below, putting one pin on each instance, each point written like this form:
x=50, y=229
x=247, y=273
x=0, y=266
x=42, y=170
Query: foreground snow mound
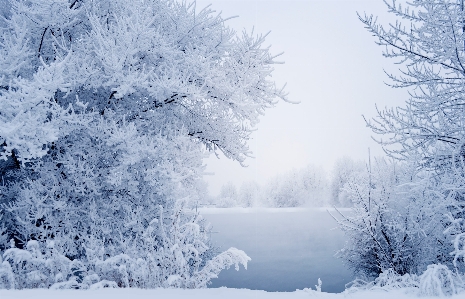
x=437, y=280
x=223, y=293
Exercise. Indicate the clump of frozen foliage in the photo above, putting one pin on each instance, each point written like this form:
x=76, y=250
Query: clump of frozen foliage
x=107, y=109
x=436, y=280
x=177, y=264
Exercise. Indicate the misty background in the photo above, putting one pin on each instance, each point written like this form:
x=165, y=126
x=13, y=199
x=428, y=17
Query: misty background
x=332, y=67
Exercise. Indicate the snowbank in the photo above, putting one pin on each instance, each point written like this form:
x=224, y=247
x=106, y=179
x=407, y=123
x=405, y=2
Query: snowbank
x=223, y=293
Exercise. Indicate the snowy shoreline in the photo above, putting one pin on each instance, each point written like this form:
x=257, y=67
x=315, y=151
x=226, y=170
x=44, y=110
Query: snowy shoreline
x=224, y=293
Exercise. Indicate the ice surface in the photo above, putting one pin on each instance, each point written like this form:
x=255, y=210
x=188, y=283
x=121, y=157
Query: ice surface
x=290, y=248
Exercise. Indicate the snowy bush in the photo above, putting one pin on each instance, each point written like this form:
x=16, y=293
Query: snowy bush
x=387, y=280
x=31, y=268
x=174, y=253
x=397, y=221
x=436, y=281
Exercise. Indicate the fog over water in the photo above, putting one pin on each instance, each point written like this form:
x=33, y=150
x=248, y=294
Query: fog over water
x=290, y=248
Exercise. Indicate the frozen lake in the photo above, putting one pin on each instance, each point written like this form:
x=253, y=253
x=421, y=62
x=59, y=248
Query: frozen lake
x=290, y=248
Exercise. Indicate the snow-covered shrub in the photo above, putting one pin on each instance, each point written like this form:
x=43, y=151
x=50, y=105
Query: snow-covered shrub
x=174, y=252
x=387, y=280
x=7, y=279
x=390, y=280
x=397, y=221
x=452, y=187
x=35, y=267
x=438, y=280
x=224, y=260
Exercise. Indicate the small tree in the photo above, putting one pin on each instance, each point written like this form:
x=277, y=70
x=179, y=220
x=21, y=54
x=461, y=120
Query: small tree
x=430, y=128
x=228, y=196
x=249, y=194
x=343, y=170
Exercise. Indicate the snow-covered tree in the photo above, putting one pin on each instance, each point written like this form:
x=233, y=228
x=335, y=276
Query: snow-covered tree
x=249, y=194
x=314, y=185
x=228, y=196
x=282, y=191
x=429, y=41
x=343, y=170
x=106, y=111
x=408, y=217
x=135, y=58
x=307, y=186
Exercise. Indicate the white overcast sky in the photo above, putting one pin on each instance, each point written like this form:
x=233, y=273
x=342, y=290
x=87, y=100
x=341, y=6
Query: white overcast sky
x=332, y=66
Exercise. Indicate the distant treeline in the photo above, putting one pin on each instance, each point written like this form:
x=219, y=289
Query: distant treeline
x=310, y=186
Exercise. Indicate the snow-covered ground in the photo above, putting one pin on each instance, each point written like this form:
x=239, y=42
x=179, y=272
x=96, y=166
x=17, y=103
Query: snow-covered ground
x=223, y=293
x=290, y=248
